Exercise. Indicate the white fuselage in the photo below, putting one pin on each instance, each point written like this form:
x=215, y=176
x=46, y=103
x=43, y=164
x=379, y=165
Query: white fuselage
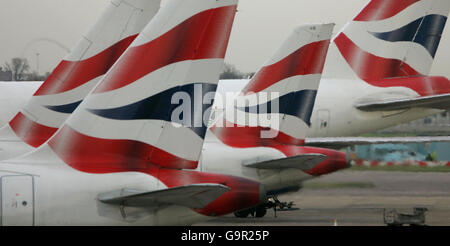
x=13, y=97
x=39, y=189
x=50, y=192
x=335, y=115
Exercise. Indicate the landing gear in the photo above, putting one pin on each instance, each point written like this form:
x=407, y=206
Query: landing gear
x=242, y=214
x=276, y=204
x=261, y=211
x=257, y=212
x=281, y=205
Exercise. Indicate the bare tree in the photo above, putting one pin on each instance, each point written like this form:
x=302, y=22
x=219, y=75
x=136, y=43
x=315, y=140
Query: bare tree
x=34, y=76
x=249, y=75
x=230, y=72
x=19, y=68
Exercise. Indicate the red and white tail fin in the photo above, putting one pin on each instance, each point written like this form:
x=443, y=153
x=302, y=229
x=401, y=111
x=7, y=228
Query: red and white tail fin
x=389, y=39
x=133, y=119
x=283, y=91
x=80, y=71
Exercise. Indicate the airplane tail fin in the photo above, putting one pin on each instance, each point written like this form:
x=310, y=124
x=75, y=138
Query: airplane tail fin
x=283, y=90
x=152, y=107
x=389, y=39
x=81, y=70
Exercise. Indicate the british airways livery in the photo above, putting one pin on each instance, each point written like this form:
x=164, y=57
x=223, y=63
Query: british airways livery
x=271, y=152
x=376, y=74
x=76, y=75
x=108, y=167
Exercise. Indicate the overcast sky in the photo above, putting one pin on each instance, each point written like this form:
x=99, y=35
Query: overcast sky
x=28, y=27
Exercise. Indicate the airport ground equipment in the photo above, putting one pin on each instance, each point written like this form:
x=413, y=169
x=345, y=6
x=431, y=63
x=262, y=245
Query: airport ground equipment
x=260, y=211
x=394, y=218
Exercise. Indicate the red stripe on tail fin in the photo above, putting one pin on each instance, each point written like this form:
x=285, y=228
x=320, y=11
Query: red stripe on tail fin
x=95, y=155
x=30, y=132
x=380, y=68
x=308, y=59
x=69, y=75
x=383, y=9
x=142, y=60
x=248, y=136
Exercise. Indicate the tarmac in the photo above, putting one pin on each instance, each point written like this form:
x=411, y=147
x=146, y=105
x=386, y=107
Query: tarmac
x=357, y=198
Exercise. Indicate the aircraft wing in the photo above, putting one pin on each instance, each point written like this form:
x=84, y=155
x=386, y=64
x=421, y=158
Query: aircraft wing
x=302, y=162
x=342, y=142
x=191, y=196
x=432, y=102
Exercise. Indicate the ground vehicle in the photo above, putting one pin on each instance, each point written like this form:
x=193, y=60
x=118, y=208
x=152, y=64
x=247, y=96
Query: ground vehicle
x=393, y=218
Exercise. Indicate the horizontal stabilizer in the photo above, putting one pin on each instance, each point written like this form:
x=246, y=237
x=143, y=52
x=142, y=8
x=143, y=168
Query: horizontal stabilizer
x=192, y=196
x=302, y=162
x=342, y=142
x=432, y=102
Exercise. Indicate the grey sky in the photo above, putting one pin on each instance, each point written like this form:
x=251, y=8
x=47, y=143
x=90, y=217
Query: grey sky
x=260, y=27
